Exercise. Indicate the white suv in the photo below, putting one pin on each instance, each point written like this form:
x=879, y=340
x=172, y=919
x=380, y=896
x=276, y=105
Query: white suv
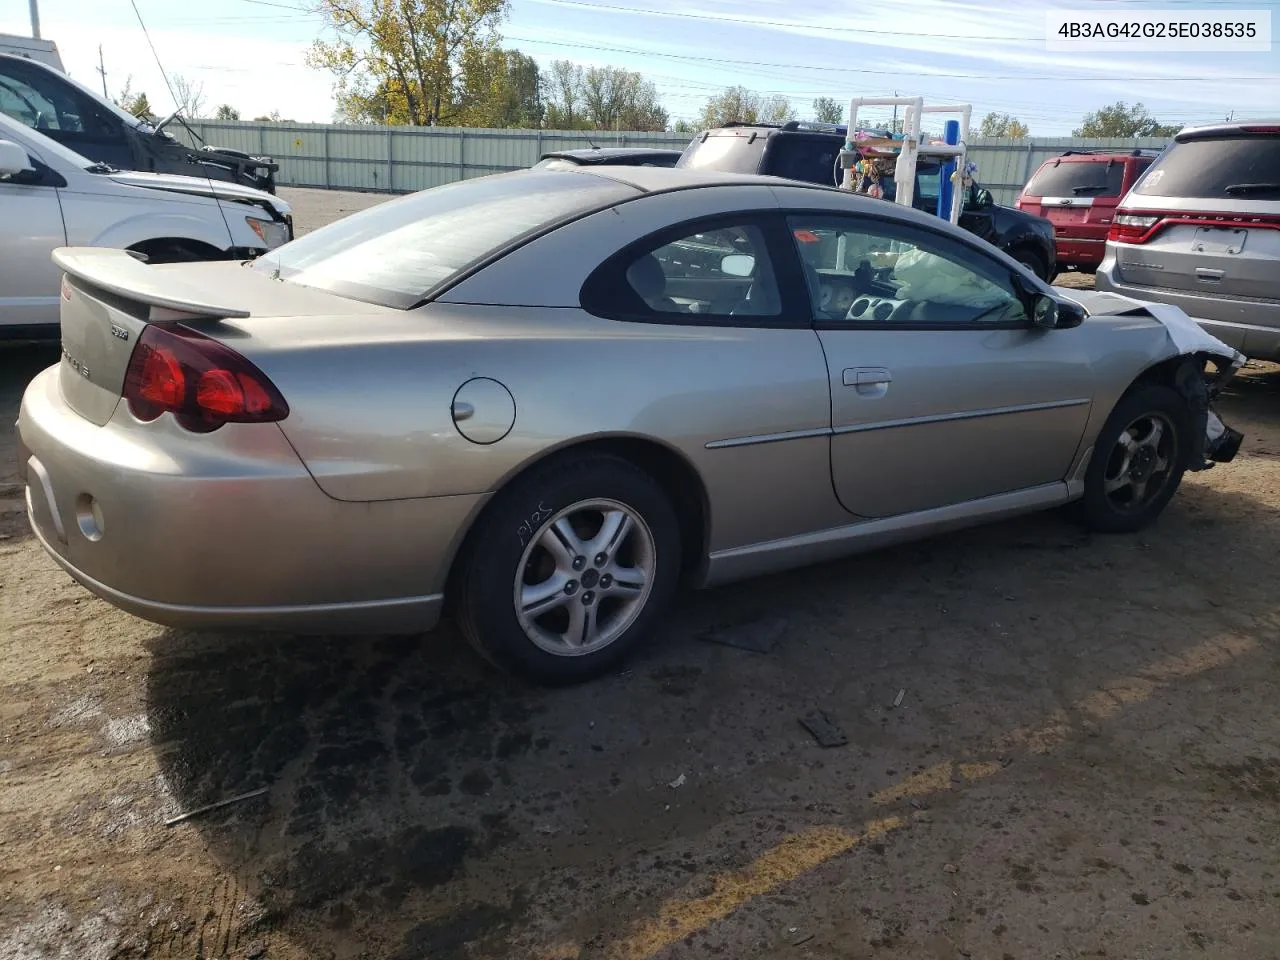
x=52, y=197
x=1201, y=231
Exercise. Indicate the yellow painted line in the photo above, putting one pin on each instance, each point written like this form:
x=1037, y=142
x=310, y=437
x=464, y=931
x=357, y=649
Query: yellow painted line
x=802, y=852
x=795, y=855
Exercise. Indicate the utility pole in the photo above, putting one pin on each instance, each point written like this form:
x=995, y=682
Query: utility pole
x=102, y=69
x=893, y=129
x=35, y=19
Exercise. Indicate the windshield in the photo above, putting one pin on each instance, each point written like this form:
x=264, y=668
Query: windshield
x=1239, y=167
x=399, y=253
x=1079, y=178
x=736, y=151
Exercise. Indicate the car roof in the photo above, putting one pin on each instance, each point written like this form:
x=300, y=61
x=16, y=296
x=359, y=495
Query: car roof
x=605, y=154
x=1227, y=129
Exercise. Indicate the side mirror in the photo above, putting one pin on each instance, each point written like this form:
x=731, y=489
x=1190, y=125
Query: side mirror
x=738, y=265
x=13, y=160
x=982, y=198
x=1050, y=313
x=1044, y=312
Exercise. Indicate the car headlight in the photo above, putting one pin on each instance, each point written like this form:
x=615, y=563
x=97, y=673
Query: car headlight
x=270, y=232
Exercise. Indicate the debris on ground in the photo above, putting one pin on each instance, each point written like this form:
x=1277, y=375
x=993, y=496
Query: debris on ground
x=950, y=868
x=678, y=782
x=215, y=806
x=897, y=701
x=824, y=729
x=256, y=949
x=760, y=636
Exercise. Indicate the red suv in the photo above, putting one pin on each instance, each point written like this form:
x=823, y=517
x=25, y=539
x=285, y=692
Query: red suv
x=1078, y=192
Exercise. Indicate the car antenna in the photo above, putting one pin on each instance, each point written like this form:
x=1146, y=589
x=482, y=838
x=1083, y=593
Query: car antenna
x=589, y=140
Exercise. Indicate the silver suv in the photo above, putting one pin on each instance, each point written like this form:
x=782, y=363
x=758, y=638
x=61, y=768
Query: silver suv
x=1201, y=230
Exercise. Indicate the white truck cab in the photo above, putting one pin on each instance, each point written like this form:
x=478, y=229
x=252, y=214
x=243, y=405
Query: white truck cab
x=52, y=197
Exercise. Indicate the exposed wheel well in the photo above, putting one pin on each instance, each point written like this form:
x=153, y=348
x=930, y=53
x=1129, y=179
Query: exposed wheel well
x=178, y=250
x=673, y=473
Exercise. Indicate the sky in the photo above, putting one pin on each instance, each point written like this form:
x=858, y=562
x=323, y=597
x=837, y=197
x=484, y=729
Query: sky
x=990, y=53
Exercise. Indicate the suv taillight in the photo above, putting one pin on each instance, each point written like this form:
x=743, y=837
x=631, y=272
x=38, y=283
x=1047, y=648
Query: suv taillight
x=1127, y=228
x=202, y=382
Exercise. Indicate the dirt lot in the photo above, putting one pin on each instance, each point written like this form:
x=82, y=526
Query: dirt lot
x=1083, y=761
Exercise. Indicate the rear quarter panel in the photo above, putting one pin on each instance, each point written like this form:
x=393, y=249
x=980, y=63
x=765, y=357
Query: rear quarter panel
x=372, y=419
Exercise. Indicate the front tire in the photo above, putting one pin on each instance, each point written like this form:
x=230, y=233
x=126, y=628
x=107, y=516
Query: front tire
x=569, y=569
x=1138, y=461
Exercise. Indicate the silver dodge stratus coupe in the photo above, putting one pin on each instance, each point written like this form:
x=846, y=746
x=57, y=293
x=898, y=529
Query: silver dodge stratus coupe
x=541, y=400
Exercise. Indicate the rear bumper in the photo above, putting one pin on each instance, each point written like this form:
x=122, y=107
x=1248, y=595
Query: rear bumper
x=1075, y=252
x=225, y=529
x=1251, y=326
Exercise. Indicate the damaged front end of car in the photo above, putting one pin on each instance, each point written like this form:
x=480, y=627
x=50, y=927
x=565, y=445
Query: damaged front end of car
x=1200, y=378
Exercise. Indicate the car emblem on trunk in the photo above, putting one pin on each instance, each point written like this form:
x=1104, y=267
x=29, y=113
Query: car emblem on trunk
x=119, y=332
x=75, y=364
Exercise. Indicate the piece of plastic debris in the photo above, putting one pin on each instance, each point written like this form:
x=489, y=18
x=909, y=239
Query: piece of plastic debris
x=758, y=637
x=805, y=939
x=214, y=806
x=824, y=729
x=677, y=782
x=950, y=868
x=897, y=701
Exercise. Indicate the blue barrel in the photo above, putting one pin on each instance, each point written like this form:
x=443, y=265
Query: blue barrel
x=946, y=189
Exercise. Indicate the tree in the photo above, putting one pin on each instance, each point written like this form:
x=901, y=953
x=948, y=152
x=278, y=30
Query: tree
x=740, y=105
x=684, y=126
x=499, y=88
x=272, y=117
x=1122, y=120
x=189, y=96
x=562, y=96
x=1003, y=125
x=134, y=103
x=617, y=99
x=827, y=110
x=599, y=98
x=226, y=112
x=405, y=58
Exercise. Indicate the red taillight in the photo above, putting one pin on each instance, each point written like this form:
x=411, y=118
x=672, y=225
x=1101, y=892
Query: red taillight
x=1127, y=228
x=1261, y=128
x=201, y=381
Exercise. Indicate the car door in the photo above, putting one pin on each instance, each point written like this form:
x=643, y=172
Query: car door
x=978, y=215
x=30, y=230
x=941, y=391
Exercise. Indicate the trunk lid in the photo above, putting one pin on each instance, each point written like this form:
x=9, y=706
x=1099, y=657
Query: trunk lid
x=109, y=297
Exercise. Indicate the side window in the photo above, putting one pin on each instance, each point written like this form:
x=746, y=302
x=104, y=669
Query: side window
x=48, y=105
x=720, y=271
x=809, y=159
x=862, y=271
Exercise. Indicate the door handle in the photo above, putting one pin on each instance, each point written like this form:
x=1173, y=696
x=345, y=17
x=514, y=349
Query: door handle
x=1208, y=275
x=866, y=376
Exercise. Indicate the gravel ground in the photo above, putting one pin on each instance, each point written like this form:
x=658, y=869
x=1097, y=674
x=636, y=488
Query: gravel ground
x=1059, y=745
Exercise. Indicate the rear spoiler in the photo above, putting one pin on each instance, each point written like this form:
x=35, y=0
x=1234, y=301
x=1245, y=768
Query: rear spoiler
x=121, y=273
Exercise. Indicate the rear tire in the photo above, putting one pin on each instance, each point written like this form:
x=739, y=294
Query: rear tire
x=569, y=569
x=1138, y=461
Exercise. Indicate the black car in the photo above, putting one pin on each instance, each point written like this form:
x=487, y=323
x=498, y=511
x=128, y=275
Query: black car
x=610, y=156
x=810, y=152
x=52, y=103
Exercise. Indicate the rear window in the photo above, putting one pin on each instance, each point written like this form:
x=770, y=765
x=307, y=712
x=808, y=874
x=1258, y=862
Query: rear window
x=737, y=152
x=1236, y=168
x=398, y=253
x=810, y=159
x=1078, y=178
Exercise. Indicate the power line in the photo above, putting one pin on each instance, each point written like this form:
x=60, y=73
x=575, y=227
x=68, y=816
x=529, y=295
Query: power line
x=133, y=3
